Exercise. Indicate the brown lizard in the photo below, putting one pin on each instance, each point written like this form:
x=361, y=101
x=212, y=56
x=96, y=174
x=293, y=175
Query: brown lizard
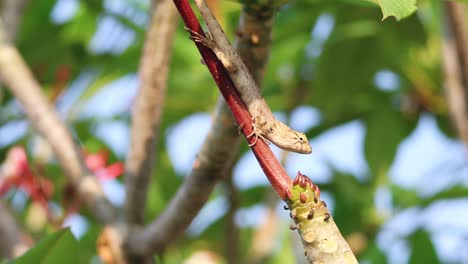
x=264, y=124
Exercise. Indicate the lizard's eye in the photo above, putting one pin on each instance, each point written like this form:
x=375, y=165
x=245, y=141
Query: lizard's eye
x=300, y=139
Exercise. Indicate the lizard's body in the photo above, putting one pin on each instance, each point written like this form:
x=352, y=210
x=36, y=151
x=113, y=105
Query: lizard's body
x=265, y=125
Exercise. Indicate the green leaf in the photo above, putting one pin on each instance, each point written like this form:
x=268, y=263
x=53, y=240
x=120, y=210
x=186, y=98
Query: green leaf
x=404, y=198
x=397, y=8
x=456, y=192
x=422, y=248
x=369, y=3
x=373, y=254
x=345, y=187
x=60, y=247
x=386, y=129
x=82, y=27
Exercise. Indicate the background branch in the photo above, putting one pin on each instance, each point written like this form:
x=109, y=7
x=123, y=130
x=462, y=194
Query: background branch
x=15, y=74
x=147, y=111
x=11, y=243
x=456, y=18
x=253, y=44
x=455, y=64
x=12, y=13
x=191, y=196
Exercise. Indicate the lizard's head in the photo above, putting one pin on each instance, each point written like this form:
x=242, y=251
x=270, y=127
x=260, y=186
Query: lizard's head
x=300, y=144
x=302, y=141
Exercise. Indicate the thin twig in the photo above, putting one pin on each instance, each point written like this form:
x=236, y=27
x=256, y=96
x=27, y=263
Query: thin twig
x=147, y=112
x=455, y=63
x=254, y=32
x=15, y=74
x=11, y=242
x=266, y=236
x=456, y=16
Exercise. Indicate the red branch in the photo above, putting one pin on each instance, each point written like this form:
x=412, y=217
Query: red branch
x=275, y=173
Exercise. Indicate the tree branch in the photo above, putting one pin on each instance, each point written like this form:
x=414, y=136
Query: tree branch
x=11, y=242
x=12, y=13
x=253, y=42
x=321, y=238
x=455, y=64
x=456, y=17
x=15, y=74
x=266, y=236
x=191, y=196
x=146, y=117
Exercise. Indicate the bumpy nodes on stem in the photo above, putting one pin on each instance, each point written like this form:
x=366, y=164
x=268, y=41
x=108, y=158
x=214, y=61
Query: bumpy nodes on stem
x=322, y=240
x=304, y=200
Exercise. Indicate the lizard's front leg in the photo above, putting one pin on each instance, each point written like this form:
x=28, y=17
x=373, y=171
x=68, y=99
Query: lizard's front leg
x=257, y=132
x=206, y=41
x=211, y=44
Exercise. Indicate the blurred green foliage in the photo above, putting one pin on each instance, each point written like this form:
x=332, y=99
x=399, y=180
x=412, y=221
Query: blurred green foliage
x=58, y=247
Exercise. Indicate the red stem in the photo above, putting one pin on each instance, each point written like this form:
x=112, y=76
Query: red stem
x=275, y=173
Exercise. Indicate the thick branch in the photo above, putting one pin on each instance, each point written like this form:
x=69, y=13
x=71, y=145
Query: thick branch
x=148, y=107
x=254, y=37
x=15, y=74
x=323, y=242
x=11, y=242
x=321, y=238
x=455, y=63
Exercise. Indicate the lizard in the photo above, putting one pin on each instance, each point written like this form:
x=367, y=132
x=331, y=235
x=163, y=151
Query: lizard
x=264, y=123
